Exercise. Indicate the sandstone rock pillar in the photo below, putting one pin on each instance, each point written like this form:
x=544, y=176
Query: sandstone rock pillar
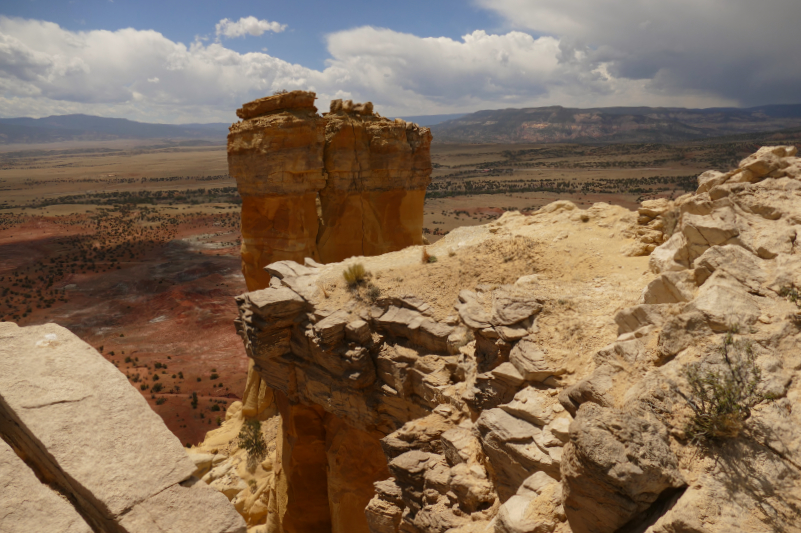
x=378, y=171
x=276, y=156
x=355, y=461
x=369, y=175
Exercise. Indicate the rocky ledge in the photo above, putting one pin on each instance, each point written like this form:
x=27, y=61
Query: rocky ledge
x=535, y=377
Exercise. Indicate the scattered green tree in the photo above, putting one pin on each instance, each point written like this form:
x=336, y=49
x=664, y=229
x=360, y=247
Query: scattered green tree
x=252, y=441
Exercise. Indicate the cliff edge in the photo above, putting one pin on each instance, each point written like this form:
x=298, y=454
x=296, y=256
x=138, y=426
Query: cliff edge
x=552, y=372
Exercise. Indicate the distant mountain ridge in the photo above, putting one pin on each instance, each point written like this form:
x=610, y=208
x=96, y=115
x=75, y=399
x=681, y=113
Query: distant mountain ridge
x=528, y=125
x=613, y=124
x=430, y=120
x=80, y=127
x=91, y=128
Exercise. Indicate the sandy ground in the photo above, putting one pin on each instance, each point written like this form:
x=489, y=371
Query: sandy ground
x=570, y=258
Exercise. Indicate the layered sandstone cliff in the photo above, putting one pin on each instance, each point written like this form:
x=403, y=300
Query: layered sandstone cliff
x=80, y=449
x=368, y=174
x=350, y=183
x=378, y=171
x=535, y=377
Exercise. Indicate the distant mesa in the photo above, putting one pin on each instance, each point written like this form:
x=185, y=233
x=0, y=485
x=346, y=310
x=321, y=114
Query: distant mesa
x=528, y=125
x=91, y=128
x=558, y=124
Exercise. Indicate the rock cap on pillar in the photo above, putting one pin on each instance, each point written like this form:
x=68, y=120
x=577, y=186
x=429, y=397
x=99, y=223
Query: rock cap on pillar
x=277, y=102
x=276, y=156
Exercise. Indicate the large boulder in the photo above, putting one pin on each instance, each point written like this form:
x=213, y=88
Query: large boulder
x=84, y=428
x=28, y=504
x=614, y=468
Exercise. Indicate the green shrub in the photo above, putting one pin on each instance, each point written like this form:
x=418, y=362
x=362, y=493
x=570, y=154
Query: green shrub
x=156, y=387
x=354, y=274
x=792, y=294
x=373, y=293
x=722, y=395
x=251, y=440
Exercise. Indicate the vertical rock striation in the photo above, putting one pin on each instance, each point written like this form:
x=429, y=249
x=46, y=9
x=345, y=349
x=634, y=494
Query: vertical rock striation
x=276, y=156
x=321, y=188
x=378, y=171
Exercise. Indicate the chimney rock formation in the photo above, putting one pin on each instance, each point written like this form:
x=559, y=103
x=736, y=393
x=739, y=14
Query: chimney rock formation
x=369, y=175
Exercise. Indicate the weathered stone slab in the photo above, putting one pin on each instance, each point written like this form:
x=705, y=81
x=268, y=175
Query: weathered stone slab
x=27, y=505
x=78, y=420
x=532, y=363
x=511, y=305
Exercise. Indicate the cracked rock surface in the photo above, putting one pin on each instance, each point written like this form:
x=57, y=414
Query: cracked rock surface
x=86, y=432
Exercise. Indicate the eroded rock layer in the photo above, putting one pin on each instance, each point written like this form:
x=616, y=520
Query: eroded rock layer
x=539, y=376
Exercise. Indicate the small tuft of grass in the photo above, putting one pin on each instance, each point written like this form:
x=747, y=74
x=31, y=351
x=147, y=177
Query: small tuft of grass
x=792, y=295
x=354, y=274
x=373, y=293
x=428, y=258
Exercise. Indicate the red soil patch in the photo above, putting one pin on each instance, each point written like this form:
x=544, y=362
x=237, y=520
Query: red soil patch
x=172, y=304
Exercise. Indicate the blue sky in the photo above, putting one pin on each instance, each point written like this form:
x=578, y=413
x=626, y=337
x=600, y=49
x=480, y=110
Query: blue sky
x=181, y=61
x=308, y=22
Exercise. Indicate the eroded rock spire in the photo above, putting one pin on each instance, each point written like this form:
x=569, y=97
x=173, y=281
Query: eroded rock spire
x=345, y=184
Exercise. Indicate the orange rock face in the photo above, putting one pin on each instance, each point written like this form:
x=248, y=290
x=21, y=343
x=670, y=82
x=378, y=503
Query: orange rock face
x=327, y=188
x=368, y=173
x=327, y=471
x=277, y=160
x=378, y=171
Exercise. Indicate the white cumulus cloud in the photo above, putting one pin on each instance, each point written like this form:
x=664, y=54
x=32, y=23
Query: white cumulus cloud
x=247, y=26
x=740, y=50
x=143, y=75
